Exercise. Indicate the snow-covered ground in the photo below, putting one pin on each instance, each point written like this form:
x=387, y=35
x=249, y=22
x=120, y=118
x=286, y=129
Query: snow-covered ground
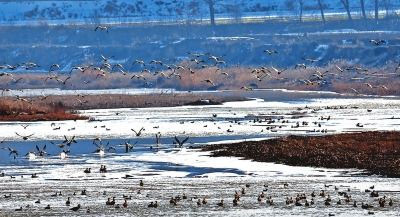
x=115, y=12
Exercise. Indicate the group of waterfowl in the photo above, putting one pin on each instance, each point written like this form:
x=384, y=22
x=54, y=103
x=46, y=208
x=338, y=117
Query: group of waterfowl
x=317, y=199
x=100, y=148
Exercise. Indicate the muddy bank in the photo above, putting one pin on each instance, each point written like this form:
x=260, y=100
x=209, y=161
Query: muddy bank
x=377, y=152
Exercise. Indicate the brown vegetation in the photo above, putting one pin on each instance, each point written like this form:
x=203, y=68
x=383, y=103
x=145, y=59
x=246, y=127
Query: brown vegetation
x=11, y=110
x=63, y=107
x=377, y=152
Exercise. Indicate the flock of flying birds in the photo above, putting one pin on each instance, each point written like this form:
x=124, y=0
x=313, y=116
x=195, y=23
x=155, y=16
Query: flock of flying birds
x=169, y=69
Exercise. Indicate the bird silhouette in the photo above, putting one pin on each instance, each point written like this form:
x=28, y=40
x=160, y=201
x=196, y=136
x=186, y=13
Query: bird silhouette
x=101, y=28
x=158, y=143
x=312, y=60
x=76, y=208
x=377, y=42
x=25, y=137
x=181, y=142
x=106, y=58
x=271, y=51
x=138, y=133
x=129, y=146
x=208, y=81
x=69, y=141
x=12, y=151
x=43, y=151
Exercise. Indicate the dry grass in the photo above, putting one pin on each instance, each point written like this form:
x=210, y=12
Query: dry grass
x=63, y=107
x=11, y=110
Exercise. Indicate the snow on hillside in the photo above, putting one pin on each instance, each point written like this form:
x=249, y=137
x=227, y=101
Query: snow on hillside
x=122, y=11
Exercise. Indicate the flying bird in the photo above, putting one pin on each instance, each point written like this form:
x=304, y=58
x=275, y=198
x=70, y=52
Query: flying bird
x=355, y=91
x=271, y=51
x=12, y=151
x=181, y=142
x=44, y=97
x=101, y=28
x=59, y=145
x=278, y=71
x=312, y=60
x=246, y=88
x=340, y=69
x=139, y=62
x=208, y=81
x=24, y=137
x=106, y=58
x=64, y=81
x=138, y=133
x=196, y=54
x=129, y=146
x=54, y=65
x=377, y=42
x=43, y=151
x=69, y=141
x=300, y=65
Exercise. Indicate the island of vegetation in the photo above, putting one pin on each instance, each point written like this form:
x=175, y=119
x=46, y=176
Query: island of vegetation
x=373, y=152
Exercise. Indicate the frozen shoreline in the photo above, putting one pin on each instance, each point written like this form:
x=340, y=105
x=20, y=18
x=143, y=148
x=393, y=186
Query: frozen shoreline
x=172, y=171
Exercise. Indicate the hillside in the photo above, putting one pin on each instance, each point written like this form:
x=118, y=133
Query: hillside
x=121, y=11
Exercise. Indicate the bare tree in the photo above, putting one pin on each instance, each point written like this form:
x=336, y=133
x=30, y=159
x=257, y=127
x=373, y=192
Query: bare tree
x=362, y=3
x=387, y=5
x=321, y=8
x=211, y=4
x=301, y=4
x=347, y=7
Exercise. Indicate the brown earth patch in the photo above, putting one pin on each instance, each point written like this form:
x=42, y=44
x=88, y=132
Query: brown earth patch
x=377, y=152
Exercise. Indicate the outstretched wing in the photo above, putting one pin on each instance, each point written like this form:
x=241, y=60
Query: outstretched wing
x=177, y=140
x=66, y=140
x=37, y=148
x=94, y=143
x=185, y=140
